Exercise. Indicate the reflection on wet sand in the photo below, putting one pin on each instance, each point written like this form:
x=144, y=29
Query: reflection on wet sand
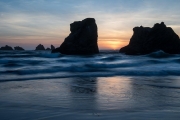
x=83, y=94
x=155, y=93
x=111, y=93
x=114, y=93
x=90, y=97
x=84, y=85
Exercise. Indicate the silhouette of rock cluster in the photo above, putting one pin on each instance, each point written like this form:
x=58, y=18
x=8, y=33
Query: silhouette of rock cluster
x=82, y=39
x=52, y=48
x=41, y=47
x=6, y=48
x=18, y=48
x=146, y=40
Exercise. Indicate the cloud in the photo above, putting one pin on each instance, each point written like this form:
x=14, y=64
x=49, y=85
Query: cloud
x=47, y=21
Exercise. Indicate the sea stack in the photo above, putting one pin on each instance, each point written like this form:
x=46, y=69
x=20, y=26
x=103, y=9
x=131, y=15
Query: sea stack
x=82, y=40
x=48, y=49
x=146, y=40
x=52, y=47
x=18, y=48
x=40, y=47
x=6, y=48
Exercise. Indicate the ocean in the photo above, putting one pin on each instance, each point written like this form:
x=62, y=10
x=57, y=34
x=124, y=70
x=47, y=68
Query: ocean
x=39, y=85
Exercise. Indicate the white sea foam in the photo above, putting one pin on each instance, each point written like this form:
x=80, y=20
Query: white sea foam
x=104, y=64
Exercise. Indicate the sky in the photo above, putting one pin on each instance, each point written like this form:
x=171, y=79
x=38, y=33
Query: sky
x=27, y=23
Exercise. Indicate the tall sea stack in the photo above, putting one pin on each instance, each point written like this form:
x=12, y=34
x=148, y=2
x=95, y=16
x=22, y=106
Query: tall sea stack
x=146, y=40
x=82, y=40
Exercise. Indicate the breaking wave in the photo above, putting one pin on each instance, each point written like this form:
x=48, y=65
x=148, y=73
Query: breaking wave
x=29, y=65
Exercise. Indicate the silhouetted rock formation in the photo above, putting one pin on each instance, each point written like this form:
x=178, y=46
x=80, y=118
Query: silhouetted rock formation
x=18, y=48
x=6, y=48
x=48, y=49
x=82, y=39
x=146, y=40
x=52, y=47
x=40, y=47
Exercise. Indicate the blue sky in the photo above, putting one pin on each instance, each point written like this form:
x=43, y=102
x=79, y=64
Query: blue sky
x=30, y=22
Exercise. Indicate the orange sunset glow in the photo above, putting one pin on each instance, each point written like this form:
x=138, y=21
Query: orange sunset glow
x=49, y=22
x=112, y=45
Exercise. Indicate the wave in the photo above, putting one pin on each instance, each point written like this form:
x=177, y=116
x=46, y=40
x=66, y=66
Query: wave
x=40, y=66
x=97, y=74
x=28, y=54
x=18, y=63
x=49, y=55
x=32, y=63
x=112, y=70
x=160, y=54
x=112, y=55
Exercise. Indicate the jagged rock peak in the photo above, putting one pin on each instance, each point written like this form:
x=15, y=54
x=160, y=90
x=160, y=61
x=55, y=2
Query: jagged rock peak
x=52, y=47
x=146, y=40
x=18, y=48
x=40, y=47
x=6, y=48
x=160, y=25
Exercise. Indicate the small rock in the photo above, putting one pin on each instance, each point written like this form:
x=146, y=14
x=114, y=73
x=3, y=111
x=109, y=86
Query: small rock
x=6, y=48
x=48, y=49
x=40, y=47
x=52, y=47
x=18, y=48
